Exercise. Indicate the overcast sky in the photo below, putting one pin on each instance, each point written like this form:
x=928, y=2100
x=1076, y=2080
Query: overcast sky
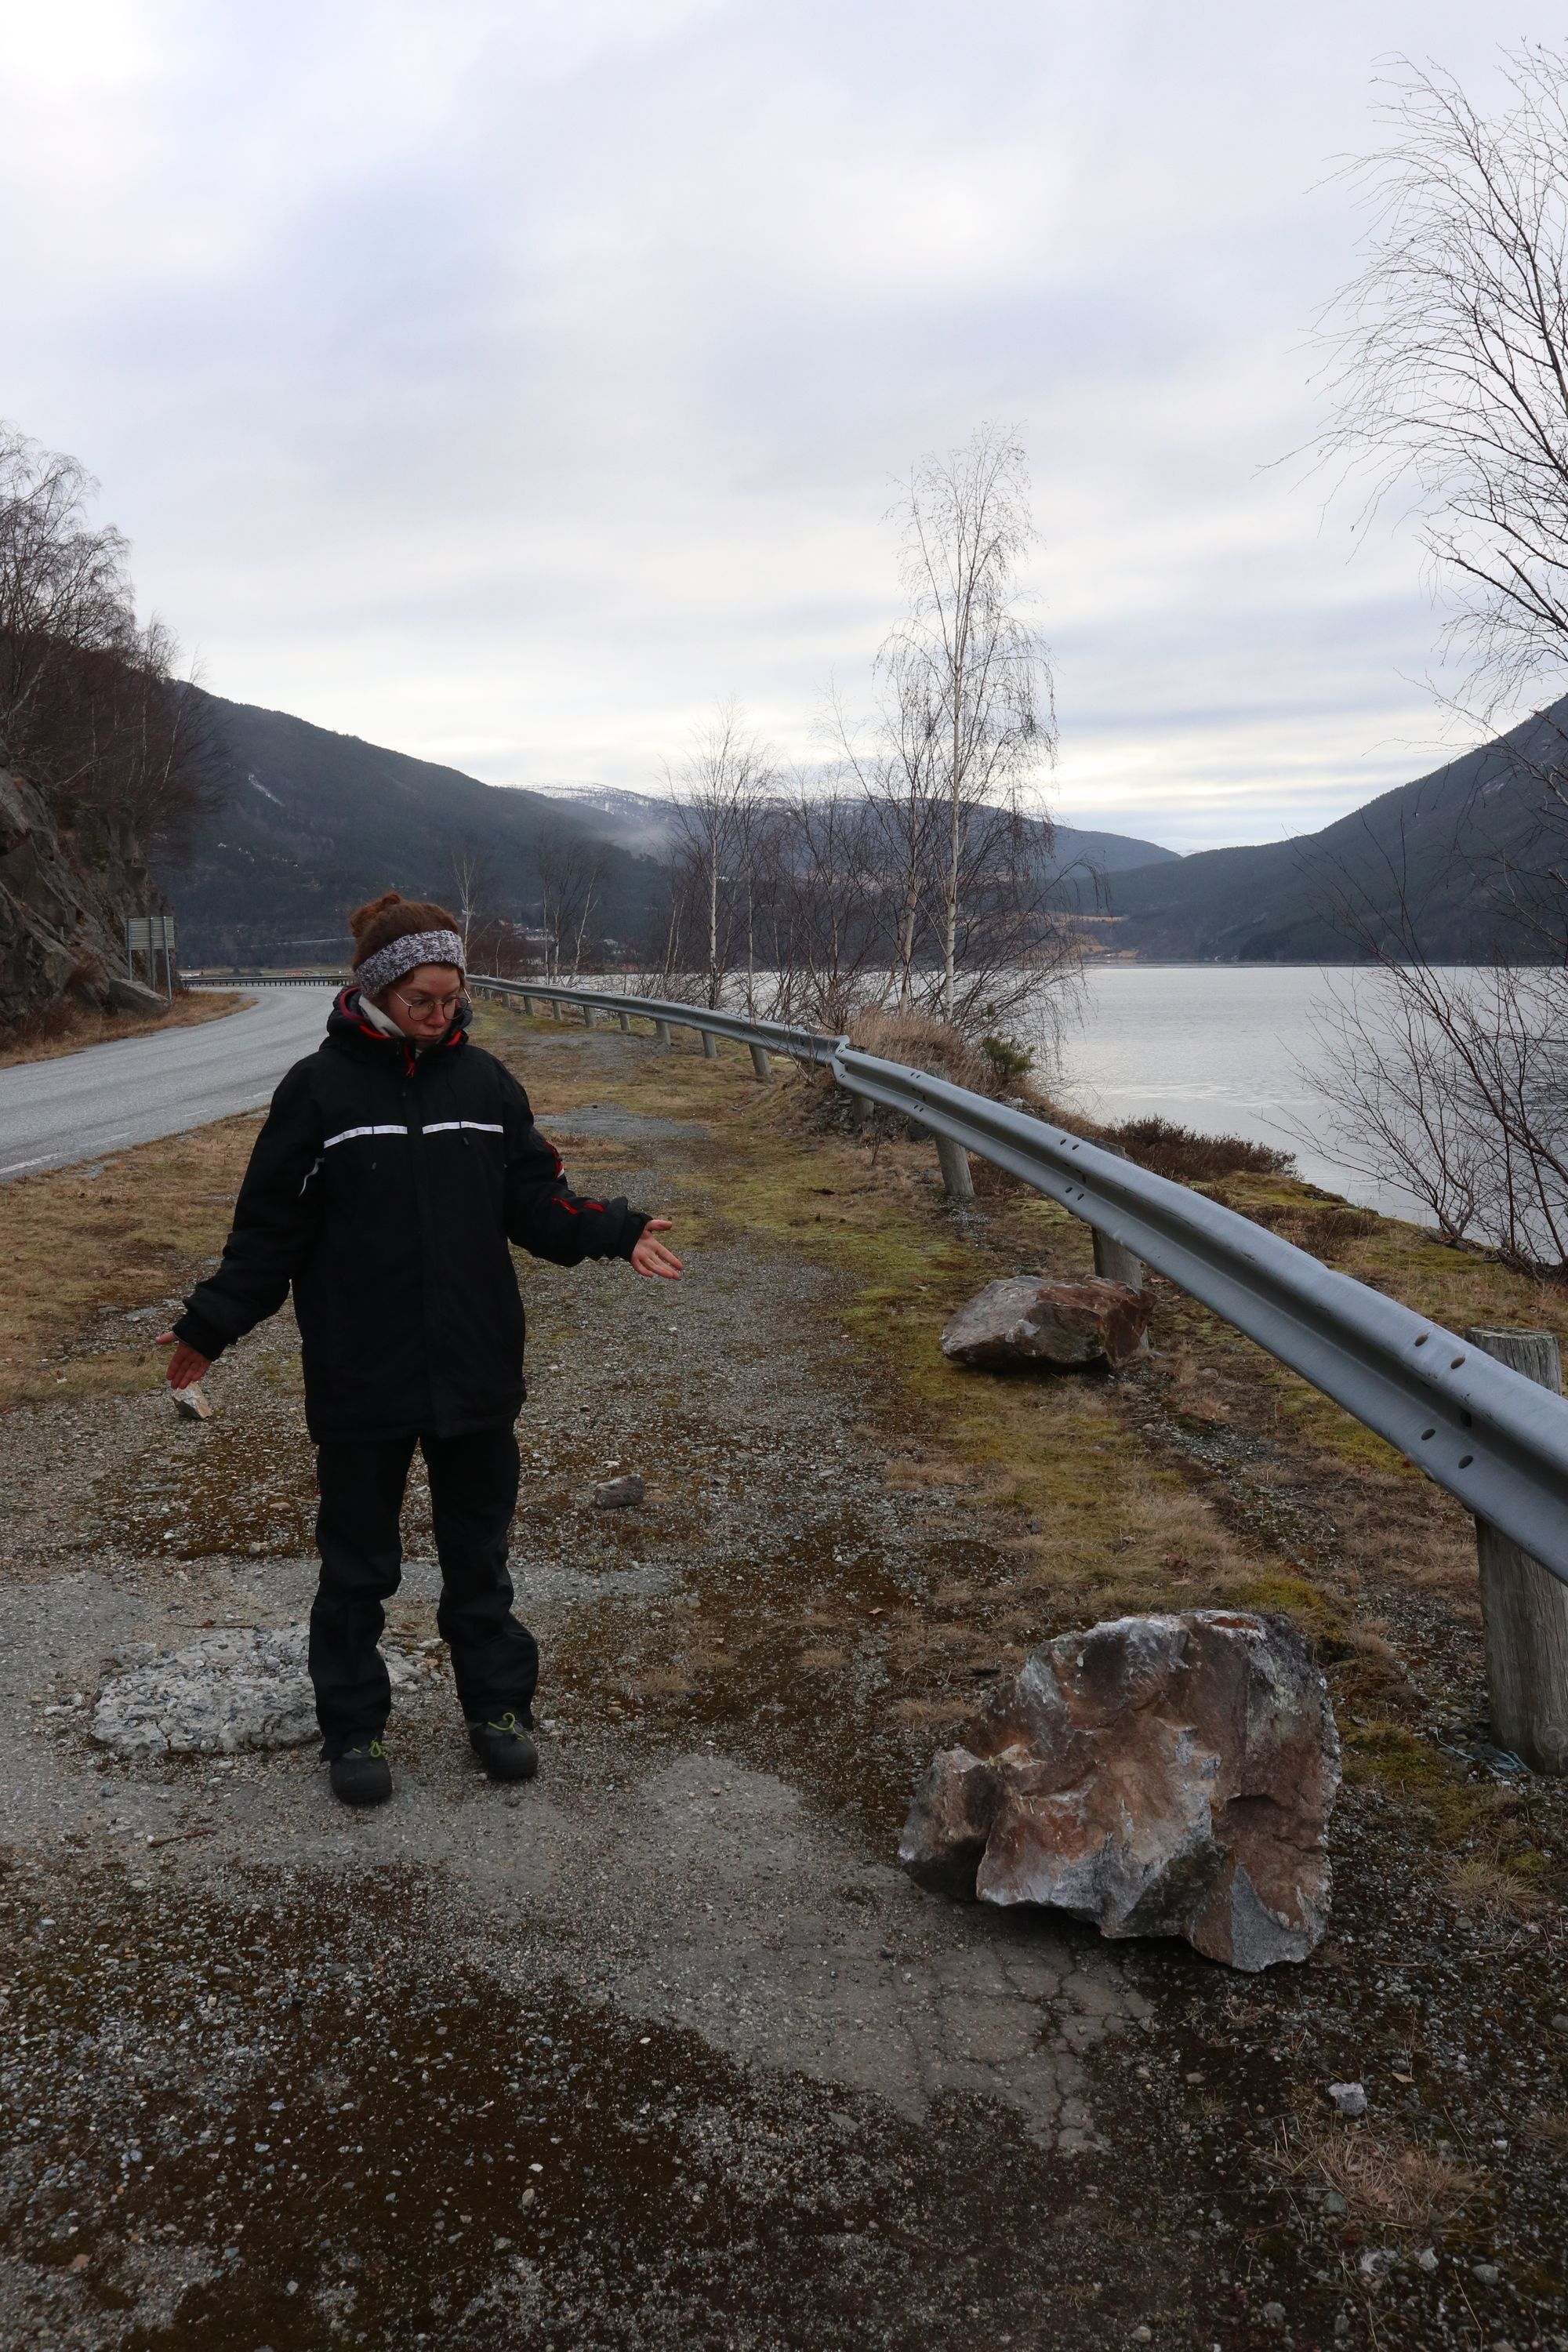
x=504, y=379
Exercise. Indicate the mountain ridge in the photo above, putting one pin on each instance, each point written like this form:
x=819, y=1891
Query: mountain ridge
x=1410, y=866
x=314, y=821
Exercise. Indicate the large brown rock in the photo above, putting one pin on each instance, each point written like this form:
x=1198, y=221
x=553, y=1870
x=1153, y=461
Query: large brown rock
x=1160, y=1776
x=1026, y=1319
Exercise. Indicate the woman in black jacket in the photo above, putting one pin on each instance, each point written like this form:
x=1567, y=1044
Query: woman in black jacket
x=395, y=1166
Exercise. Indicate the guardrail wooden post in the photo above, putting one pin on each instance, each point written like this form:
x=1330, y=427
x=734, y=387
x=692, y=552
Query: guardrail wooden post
x=956, y=1174
x=710, y=1045
x=528, y=1006
x=556, y=1008
x=590, y=1020
x=1113, y=1263
x=661, y=1031
x=760, y=1062
x=626, y=1022
x=1525, y=1609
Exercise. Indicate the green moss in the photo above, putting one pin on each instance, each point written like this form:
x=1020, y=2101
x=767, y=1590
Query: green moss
x=1293, y=1596
x=1321, y=1422
x=1406, y=1767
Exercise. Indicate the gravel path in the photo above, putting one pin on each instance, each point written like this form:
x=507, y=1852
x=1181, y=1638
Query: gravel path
x=660, y=2050
x=107, y=1097
x=698, y=1993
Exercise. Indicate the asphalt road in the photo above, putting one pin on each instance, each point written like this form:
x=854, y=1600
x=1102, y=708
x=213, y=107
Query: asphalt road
x=108, y=1098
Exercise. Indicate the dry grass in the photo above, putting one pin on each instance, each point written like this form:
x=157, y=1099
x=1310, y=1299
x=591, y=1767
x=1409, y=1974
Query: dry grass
x=69, y=1027
x=1386, y=2183
x=1547, y=2129
x=82, y=1250
x=924, y=1042
x=1494, y=1888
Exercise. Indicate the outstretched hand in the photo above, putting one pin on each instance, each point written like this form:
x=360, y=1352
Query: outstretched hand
x=186, y=1367
x=650, y=1256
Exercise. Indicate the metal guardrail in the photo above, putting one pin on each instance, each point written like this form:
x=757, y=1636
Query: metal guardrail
x=1495, y=1440
x=265, y=979
x=764, y=1036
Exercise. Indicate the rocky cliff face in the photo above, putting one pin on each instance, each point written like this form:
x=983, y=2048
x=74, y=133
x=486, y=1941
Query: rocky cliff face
x=63, y=896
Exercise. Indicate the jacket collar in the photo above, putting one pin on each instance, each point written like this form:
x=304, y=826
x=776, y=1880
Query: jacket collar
x=348, y=1029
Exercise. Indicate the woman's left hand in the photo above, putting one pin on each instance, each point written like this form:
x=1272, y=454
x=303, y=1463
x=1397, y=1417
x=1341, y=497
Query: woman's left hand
x=652, y=1257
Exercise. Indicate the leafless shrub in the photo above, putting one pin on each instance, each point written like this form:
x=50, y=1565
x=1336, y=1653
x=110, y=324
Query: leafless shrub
x=1168, y=1150
x=1454, y=1087
x=1327, y=1229
x=1322, y=1227
x=498, y=945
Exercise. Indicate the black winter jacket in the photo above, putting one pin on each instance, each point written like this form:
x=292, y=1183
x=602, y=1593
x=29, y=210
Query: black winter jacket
x=383, y=1188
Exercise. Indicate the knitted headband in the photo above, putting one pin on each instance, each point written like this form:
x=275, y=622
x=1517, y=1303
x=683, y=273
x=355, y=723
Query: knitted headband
x=389, y=963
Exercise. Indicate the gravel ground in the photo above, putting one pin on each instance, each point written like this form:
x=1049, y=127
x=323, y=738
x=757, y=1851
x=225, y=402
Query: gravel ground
x=663, y=2049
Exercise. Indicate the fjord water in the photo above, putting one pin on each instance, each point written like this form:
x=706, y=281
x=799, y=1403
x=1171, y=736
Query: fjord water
x=1225, y=1048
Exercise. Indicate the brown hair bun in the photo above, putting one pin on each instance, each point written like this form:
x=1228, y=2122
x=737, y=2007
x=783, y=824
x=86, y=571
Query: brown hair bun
x=393, y=917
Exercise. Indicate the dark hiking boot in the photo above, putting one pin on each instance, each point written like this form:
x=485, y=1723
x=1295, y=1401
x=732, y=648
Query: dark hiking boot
x=362, y=1776
x=505, y=1749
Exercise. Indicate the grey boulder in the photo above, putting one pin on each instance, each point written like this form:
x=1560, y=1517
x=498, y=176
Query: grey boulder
x=619, y=1494
x=236, y=1689
x=1157, y=1776
x=1024, y=1318
x=127, y=995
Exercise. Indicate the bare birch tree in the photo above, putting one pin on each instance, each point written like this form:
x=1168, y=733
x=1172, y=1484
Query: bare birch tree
x=966, y=665
x=1448, y=354
x=475, y=888
x=832, y=902
x=1448, y=367
x=571, y=867
x=89, y=708
x=721, y=787
x=894, y=774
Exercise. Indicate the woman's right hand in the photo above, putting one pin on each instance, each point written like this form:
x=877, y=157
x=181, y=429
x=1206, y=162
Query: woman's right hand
x=186, y=1367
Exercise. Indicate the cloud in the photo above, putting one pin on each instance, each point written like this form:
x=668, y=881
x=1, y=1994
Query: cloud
x=505, y=381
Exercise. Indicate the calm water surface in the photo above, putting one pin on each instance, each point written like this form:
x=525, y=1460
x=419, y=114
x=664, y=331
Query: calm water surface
x=1210, y=1047
x=1213, y=1047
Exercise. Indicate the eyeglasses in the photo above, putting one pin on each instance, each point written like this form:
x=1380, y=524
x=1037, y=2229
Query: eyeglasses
x=420, y=1005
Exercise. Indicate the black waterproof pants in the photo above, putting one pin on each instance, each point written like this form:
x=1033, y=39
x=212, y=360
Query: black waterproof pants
x=473, y=1494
